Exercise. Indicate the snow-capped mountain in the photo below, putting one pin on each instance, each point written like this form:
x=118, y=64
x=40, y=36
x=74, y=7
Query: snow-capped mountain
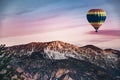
x=59, y=60
x=52, y=50
x=62, y=50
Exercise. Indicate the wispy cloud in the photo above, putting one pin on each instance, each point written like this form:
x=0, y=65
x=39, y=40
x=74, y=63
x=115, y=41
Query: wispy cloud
x=106, y=33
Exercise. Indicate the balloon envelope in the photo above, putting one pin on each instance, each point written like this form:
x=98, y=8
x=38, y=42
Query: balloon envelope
x=96, y=17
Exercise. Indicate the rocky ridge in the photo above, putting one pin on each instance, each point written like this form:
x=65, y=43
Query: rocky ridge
x=62, y=50
x=59, y=60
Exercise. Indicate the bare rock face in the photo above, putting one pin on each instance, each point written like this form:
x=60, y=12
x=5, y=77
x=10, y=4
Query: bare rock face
x=65, y=69
x=58, y=60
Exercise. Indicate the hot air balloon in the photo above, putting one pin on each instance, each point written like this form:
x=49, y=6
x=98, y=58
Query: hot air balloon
x=96, y=18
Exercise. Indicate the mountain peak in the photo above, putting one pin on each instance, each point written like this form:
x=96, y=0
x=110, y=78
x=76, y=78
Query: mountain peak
x=55, y=48
x=112, y=51
x=34, y=42
x=92, y=47
x=60, y=45
x=57, y=41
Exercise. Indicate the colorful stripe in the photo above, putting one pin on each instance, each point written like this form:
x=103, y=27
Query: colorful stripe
x=100, y=22
x=96, y=18
x=97, y=13
x=96, y=10
x=96, y=25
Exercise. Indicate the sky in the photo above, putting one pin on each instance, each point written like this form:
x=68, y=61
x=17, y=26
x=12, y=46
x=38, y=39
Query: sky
x=24, y=21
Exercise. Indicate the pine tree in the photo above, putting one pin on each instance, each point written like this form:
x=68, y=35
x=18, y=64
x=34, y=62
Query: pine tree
x=5, y=70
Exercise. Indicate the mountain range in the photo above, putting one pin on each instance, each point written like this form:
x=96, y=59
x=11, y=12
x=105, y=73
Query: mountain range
x=57, y=60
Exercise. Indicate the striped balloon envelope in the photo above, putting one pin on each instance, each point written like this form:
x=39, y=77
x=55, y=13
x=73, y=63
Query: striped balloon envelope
x=96, y=18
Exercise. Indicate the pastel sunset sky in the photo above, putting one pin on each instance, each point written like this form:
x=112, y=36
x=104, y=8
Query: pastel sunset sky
x=24, y=21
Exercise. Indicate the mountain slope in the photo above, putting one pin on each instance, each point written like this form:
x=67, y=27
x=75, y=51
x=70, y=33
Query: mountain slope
x=62, y=50
x=75, y=63
x=72, y=69
x=48, y=48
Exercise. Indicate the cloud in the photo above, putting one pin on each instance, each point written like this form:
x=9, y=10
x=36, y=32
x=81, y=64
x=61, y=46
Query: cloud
x=106, y=33
x=24, y=12
x=103, y=36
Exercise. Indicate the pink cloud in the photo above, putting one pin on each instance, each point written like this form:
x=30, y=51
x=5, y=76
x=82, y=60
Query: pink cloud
x=19, y=26
x=115, y=33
